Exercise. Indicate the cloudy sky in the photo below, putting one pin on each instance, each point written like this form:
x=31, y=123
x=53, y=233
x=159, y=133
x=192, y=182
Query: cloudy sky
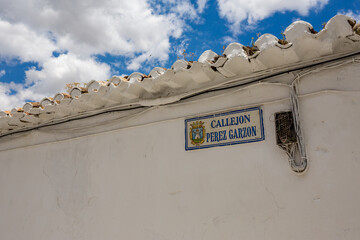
x=45, y=44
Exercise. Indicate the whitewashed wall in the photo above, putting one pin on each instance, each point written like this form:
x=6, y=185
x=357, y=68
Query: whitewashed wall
x=138, y=182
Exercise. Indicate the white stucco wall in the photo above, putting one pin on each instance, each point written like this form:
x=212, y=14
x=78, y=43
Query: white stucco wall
x=138, y=182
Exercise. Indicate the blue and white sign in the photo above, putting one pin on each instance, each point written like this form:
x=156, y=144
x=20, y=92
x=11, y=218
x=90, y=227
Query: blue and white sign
x=222, y=129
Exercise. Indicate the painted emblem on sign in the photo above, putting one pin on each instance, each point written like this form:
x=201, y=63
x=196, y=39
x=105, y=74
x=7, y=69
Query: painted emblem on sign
x=197, y=133
x=224, y=128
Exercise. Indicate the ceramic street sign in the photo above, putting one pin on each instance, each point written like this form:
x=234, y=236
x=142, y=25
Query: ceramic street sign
x=226, y=128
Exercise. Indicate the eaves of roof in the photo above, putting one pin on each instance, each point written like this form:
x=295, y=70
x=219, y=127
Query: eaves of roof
x=301, y=46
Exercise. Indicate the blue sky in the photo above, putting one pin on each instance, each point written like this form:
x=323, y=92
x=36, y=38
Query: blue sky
x=45, y=44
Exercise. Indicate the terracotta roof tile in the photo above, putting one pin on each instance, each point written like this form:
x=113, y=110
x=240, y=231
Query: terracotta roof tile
x=340, y=35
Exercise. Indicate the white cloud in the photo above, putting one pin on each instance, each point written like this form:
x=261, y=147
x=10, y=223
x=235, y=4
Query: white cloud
x=227, y=40
x=56, y=72
x=66, y=68
x=180, y=48
x=79, y=29
x=186, y=9
x=183, y=9
x=201, y=5
x=7, y=99
x=240, y=13
x=18, y=41
x=355, y=15
x=2, y=73
x=85, y=27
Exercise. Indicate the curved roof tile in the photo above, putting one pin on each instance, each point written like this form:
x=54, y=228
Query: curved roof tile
x=340, y=35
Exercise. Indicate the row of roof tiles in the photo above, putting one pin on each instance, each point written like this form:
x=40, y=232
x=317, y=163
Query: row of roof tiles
x=340, y=34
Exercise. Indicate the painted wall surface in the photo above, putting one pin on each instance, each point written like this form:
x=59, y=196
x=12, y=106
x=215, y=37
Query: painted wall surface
x=138, y=182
